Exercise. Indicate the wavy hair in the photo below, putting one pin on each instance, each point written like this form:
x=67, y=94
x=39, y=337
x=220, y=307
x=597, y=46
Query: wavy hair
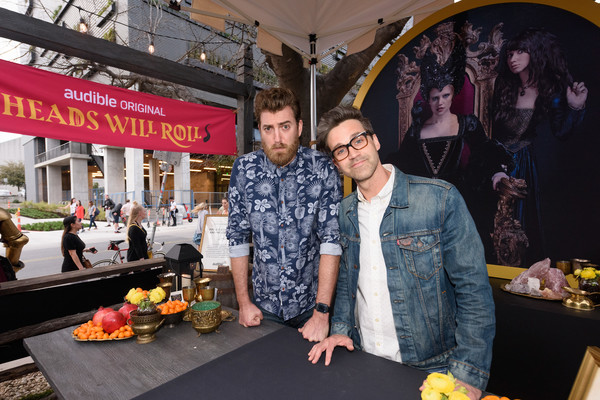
x=547, y=70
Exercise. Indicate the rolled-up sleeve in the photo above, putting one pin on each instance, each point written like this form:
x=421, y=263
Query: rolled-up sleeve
x=328, y=225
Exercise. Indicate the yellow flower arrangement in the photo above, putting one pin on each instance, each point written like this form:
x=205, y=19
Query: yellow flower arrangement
x=587, y=273
x=442, y=387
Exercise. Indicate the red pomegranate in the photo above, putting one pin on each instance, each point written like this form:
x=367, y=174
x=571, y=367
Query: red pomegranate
x=97, y=318
x=127, y=308
x=112, y=321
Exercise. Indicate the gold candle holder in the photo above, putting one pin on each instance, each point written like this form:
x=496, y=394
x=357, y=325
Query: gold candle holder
x=188, y=294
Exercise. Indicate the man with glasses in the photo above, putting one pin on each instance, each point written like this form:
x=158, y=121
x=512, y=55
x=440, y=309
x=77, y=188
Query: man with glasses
x=413, y=284
x=287, y=197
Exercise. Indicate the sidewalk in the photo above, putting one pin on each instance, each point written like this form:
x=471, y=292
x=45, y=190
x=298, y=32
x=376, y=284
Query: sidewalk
x=42, y=255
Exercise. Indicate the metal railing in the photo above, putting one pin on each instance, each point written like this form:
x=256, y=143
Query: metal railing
x=64, y=149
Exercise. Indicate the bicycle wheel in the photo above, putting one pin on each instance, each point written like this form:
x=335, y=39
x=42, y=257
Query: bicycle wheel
x=103, y=263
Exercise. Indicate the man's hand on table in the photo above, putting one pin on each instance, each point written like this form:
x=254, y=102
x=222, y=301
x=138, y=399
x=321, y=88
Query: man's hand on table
x=327, y=346
x=250, y=315
x=316, y=328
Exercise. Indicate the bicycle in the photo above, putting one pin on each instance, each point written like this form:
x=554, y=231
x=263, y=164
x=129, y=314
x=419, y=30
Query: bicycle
x=119, y=258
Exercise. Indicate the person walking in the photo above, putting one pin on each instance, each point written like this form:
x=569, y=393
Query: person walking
x=108, y=206
x=93, y=213
x=173, y=210
x=80, y=213
x=116, y=214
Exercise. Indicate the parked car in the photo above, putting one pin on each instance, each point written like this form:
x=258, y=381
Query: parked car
x=4, y=193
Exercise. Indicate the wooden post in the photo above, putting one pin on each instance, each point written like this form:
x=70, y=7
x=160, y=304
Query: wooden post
x=245, y=126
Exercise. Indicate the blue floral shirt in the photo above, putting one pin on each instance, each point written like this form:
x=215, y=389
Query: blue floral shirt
x=292, y=213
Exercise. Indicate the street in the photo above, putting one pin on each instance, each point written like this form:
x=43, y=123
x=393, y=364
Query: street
x=42, y=255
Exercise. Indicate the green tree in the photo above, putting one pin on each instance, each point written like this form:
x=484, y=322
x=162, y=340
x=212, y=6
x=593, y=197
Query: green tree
x=13, y=173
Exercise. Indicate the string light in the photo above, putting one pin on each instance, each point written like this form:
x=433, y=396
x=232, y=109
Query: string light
x=83, y=28
x=203, y=56
x=151, y=47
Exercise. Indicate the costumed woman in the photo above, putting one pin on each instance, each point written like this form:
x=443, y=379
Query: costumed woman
x=533, y=94
x=453, y=147
x=72, y=246
x=136, y=234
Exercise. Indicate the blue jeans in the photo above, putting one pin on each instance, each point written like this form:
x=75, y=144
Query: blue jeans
x=296, y=322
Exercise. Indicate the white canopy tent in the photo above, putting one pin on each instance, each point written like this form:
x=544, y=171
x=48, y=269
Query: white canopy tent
x=313, y=28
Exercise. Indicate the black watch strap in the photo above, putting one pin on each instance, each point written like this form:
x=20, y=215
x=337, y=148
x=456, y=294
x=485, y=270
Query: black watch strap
x=322, y=308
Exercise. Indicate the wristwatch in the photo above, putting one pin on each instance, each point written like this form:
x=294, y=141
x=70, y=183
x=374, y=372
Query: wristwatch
x=322, y=308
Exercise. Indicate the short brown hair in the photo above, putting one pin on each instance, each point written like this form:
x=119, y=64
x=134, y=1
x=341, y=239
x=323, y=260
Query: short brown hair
x=333, y=118
x=276, y=99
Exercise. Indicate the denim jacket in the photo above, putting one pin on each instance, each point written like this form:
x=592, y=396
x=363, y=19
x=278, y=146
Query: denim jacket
x=437, y=277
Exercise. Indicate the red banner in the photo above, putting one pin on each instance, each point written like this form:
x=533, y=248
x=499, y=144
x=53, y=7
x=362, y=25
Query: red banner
x=41, y=103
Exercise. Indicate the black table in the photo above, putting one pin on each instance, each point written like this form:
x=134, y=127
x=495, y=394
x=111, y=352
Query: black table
x=539, y=345
x=276, y=366
x=124, y=369
x=247, y=363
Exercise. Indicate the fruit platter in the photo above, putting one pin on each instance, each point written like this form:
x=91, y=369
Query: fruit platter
x=109, y=324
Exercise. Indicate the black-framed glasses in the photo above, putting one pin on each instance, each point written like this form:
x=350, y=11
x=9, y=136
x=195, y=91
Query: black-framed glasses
x=358, y=142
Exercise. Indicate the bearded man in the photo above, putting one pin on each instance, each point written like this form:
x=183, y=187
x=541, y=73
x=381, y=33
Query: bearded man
x=287, y=197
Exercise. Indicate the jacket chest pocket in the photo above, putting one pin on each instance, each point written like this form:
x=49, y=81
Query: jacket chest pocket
x=421, y=253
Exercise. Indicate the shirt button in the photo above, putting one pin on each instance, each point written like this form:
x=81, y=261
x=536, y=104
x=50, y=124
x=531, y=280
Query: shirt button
x=376, y=319
x=355, y=266
x=374, y=267
x=376, y=294
x=378, y=344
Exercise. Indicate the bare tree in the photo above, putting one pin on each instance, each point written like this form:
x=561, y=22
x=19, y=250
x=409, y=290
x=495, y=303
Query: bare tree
x=333, y=86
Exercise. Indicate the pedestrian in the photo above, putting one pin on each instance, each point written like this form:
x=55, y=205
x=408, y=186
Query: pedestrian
x=126, y=210
x=72, y=247
x=173, y=210
x=413, y=284
x=116, y=214
x=72, y=206
x=224, y=209
x=136, y=235
x=93, y=213
x=108, y=206
x=80, y=213
x=286, y=197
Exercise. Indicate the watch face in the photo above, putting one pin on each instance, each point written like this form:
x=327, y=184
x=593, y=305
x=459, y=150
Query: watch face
x=323, y=308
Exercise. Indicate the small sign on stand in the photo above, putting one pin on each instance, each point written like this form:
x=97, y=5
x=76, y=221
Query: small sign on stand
x=214, y=245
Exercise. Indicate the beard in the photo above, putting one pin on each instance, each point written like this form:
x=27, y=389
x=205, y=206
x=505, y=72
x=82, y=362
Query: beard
x=282, y=158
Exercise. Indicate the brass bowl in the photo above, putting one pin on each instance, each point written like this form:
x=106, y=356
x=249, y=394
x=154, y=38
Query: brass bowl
x=166, y=277
x=201, y=282
x=173, y=319
x=577, y=299
x=207, y=293
x=145, y=325
x=206, y=316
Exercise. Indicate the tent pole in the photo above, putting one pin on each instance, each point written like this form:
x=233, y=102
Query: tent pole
x=313, y=104
x=313, y=89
